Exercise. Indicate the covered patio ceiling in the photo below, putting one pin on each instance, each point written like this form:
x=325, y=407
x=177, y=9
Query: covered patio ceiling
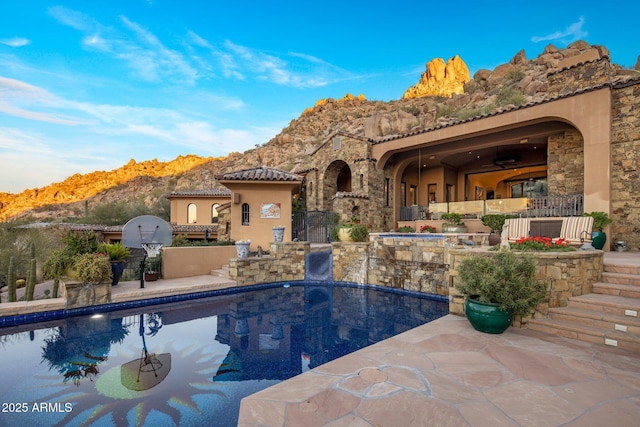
x=524, y=146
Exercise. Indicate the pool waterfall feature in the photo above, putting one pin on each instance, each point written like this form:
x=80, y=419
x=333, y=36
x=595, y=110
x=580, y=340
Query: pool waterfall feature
x=421, y=262
x=318, y=265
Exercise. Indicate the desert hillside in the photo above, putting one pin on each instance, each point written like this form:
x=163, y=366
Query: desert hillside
x=444, y=92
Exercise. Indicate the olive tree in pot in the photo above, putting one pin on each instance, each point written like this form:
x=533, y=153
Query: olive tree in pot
x=499, y=285
x=495, y=222
x=352, y=231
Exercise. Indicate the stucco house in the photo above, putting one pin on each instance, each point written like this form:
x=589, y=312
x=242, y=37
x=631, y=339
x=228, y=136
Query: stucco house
x=574, y=151
x=260, y=200
x=582, y=140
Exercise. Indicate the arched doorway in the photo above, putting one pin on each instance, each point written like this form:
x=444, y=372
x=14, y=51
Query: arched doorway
x=337, y=178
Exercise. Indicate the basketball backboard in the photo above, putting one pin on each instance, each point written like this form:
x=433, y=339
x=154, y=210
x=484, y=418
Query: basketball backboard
x=146, y=229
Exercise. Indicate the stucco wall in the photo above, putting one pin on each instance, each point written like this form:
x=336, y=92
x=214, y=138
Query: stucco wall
x=191, y=261
x=259, y=230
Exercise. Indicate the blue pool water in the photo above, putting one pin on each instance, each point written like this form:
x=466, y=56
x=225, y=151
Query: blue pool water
x=190, y=363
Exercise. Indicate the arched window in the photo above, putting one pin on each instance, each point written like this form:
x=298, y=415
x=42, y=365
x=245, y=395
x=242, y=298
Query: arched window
x=245, y=214
x=192, y=213
x=214, y=213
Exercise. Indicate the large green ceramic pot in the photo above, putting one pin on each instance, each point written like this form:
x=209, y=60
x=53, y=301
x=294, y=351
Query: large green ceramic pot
x=598, y=239
x=487, y=317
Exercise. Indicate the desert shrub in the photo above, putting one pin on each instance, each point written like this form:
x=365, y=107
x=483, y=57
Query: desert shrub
x=515, y=75
x=510, y=96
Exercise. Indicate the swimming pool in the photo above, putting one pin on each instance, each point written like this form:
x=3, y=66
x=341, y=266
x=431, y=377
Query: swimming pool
x=190, y=363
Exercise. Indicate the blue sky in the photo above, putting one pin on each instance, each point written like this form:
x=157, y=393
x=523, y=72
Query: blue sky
x=89, y=85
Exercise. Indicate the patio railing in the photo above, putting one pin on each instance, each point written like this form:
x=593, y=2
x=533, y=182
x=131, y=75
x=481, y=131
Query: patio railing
x=549, y=206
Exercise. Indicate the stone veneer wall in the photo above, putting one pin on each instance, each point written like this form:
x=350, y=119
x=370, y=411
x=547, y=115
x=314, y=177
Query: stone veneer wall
x=367, y=184
x=413, y=262
x=565, y=174
x=625, y=166
x=285, y=262
x=419, y=263
x=78, y=294
x=569, y=274
x=579, y=76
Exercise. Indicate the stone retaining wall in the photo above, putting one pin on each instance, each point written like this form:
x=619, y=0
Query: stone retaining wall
x=569, y=274
x=285, y=262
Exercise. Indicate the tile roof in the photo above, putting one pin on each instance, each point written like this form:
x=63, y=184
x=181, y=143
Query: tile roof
x=261, y=173
x=220, y=192
x=349, y=195
x=118, y=228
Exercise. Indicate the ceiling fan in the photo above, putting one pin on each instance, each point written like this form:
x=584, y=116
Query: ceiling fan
x=502, y=162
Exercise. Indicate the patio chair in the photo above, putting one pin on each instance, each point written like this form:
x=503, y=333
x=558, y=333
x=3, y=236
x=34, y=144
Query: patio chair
x=576, y=230
x=517, y=228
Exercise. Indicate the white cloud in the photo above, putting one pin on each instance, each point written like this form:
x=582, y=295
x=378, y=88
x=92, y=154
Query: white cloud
x=15, y=41
x=572, y=33
x=23, y=100
x=151, y=60
x=143, y=52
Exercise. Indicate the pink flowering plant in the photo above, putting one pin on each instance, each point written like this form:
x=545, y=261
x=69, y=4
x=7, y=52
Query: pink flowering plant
x=541, y=244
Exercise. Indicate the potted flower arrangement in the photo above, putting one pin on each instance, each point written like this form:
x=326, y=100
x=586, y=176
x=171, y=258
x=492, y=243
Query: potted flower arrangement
x=352, y=231
x=453, y=223
x=117, y=254
x=600, y=220
x=495, y=222
x=405, y=229
x=499, y=285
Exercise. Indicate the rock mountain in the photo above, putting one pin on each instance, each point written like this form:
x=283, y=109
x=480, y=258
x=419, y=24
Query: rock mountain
x=444, y=93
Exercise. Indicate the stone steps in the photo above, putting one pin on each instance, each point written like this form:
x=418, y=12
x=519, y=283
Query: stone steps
x=621, y=278
x=608, y=315
x=621, y=268
x=221, y=272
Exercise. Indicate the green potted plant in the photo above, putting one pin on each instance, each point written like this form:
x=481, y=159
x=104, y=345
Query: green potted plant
x=600, y=220
x=453, y=223
x=499, y=285
x=117, y=253
x=153, y=266
x=352, y=231
x=495, y=222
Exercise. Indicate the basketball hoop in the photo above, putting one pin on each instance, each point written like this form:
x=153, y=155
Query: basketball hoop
x=152, y=249
x=149, y=233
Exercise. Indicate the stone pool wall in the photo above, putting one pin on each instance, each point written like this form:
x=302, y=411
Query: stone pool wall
x=286, y=261
x=419, y=262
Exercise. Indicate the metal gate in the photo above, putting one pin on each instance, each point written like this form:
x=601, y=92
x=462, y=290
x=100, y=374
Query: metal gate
x=314, y=226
